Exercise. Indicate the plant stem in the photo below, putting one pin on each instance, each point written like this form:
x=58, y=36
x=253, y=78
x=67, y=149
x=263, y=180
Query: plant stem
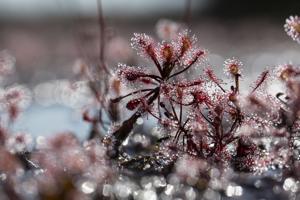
x=123, y=132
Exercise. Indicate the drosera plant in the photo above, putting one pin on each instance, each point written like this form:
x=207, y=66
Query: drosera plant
x=200, y=117
x=171, y=59
x=203, y=120
x=211, y=133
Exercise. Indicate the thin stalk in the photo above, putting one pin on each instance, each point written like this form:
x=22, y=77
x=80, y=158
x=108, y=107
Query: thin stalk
x=237, y=83
x=115, y=100
x=183, y=70
x=102, y=37
x=122, y=133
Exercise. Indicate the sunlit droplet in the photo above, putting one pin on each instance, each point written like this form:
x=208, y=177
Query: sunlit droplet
x=234, y=191
x=139, y=121
x=88, y=187
x=290, y=185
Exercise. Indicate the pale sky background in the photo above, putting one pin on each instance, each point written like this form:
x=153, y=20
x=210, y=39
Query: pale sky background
x=42, y=8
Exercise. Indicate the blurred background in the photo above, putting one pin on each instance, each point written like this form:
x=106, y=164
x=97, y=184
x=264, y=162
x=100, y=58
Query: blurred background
x=44, y=38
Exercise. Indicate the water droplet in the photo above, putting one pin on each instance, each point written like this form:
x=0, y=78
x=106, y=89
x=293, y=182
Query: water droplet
x=290, y=185
x=88, y=187
x=277, y=189
x=139, y=121
x=122, y=189
x=3, y=176
x=169, y=190
x=190, y=194
x=210, y=194
x=258, y=184
x=41, y=142
x=107, y=189
x=159, y=182
x=234, y=191
x=146, y=195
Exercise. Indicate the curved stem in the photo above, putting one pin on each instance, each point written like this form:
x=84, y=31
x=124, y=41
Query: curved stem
x=115, y=100
x=186, y=68
x=123, y=132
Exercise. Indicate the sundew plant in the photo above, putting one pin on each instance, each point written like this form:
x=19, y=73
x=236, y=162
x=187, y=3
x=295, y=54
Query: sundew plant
x=210, y=138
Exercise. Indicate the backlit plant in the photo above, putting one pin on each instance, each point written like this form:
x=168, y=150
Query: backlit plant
x=209, y=134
